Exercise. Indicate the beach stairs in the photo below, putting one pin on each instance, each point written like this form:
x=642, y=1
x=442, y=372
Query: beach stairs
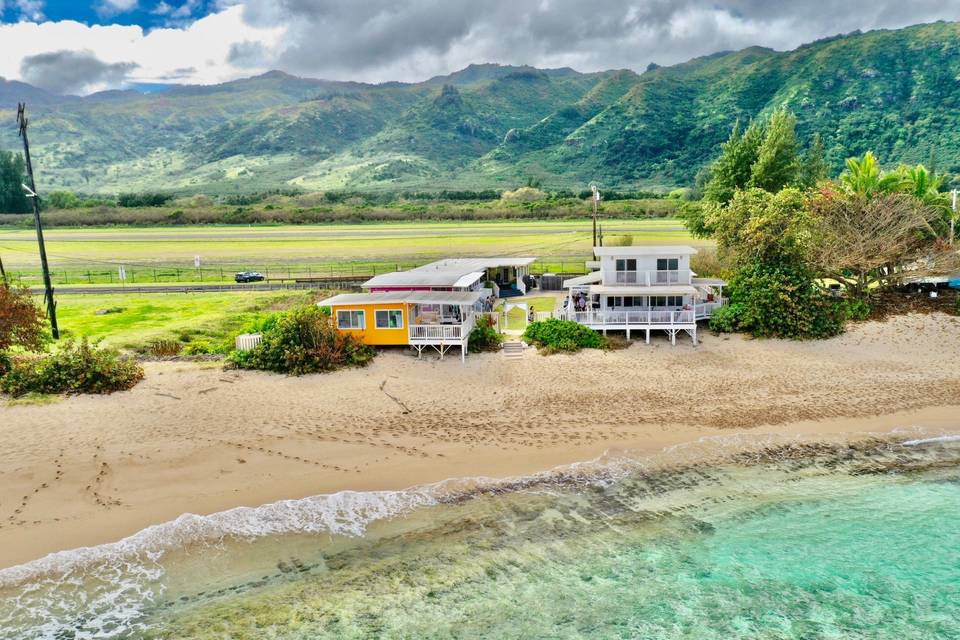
x=513, y=350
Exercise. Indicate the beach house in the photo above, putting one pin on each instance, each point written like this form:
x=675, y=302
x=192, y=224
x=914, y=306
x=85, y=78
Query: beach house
x=441, y=320
x=643, y=288
x=432, y=306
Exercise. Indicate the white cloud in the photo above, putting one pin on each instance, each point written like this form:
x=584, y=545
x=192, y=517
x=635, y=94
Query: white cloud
x=30, y=9
x=118, y=6
x=160, y=55
x=378, y=40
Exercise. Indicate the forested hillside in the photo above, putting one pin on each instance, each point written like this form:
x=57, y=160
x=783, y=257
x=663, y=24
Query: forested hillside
x=492, y=126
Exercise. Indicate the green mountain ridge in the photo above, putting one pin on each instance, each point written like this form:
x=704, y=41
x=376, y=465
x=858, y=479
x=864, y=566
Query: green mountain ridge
x=493, y=126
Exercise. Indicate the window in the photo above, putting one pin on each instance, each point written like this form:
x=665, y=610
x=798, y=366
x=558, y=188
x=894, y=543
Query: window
x=389, y=319
x=350, y=320
x=624, y=264
x=666, y=301
x=668, y=264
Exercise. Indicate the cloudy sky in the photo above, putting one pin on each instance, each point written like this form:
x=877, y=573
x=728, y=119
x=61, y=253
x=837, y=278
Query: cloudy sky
x=80, y=46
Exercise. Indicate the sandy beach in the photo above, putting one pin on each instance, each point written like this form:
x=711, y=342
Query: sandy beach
x=195, y=438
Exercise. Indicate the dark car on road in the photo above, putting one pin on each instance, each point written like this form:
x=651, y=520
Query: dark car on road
x=248, y=276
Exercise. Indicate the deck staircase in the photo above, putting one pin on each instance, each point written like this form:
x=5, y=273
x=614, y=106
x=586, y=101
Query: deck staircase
x=512, y=350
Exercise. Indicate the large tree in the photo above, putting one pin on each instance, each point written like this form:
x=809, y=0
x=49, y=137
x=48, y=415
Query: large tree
x=777, y=164
x=733, y=169
x=12, y=177
x=866, y=242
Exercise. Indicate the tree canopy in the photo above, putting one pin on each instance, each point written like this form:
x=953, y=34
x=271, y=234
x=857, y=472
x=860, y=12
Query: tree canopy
x=12, y=176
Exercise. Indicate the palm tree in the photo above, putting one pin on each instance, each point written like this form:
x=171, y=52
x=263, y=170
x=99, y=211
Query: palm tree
x=864, y=177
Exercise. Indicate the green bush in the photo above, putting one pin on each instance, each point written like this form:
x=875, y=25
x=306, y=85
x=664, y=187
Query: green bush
x=858, y=310
x=75, y=367
x=563, y=335
x=484, y=336
x=300, y=341
x=726, y=319
x=779, y=300
x=199, y=348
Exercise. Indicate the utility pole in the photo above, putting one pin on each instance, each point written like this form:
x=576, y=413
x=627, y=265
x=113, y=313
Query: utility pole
x=31, y=190
x=596, y=203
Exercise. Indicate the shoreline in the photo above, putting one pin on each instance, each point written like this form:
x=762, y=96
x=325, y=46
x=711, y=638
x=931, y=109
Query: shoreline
x=196, y=439
x=929, y=423
x=804, y=438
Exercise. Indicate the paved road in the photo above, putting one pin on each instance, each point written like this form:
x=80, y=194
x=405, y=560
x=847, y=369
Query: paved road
x=199, y=288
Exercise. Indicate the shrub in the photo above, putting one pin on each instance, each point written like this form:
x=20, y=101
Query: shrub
x=300, y=341
x=21, y=324
x=484, y=336
x=143, y=199
x=164, y=348
x=199, y=348
x=75, y=367
x=726, y=319
x=563, y=335
x=780, y=300
x=854, y=309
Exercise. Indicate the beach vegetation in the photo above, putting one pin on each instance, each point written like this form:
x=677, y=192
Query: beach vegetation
x=73, y=367
x=554, y=336
x=301, y=341
x=779, y=300
x=484, y=336
x=21, y=322
x=866, y=242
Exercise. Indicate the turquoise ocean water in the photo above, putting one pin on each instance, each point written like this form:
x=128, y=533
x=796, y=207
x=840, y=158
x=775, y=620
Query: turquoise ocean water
x=779, y=540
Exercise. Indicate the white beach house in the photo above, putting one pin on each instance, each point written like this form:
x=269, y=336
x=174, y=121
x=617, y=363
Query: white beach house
x=643, y=288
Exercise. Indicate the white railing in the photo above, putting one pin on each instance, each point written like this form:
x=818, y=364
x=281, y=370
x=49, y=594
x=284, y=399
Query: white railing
x=247, y=341
x=651, y=278
x=442, y=332
x=706, y=309
x=648, y=317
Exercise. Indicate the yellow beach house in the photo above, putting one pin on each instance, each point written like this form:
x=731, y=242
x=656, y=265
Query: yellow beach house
x=441, y=320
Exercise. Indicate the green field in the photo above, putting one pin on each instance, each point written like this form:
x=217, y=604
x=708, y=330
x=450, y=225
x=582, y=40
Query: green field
x=136, y=321
x=81, y=256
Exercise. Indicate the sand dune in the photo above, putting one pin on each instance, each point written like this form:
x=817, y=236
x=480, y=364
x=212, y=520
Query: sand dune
x=196, y=438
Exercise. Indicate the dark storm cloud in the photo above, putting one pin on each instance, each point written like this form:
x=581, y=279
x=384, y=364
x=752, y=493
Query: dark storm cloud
x=386, y=39
x=72, y=71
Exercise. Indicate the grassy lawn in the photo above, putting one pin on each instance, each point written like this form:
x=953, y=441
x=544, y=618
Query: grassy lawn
x=166, y=254
x=517, y=318
x=135, y=321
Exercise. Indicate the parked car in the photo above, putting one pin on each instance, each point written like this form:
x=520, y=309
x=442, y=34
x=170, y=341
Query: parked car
x=249, y=276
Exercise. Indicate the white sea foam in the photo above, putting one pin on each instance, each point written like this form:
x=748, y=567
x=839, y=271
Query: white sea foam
x=946, y=438
x=103, y=591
